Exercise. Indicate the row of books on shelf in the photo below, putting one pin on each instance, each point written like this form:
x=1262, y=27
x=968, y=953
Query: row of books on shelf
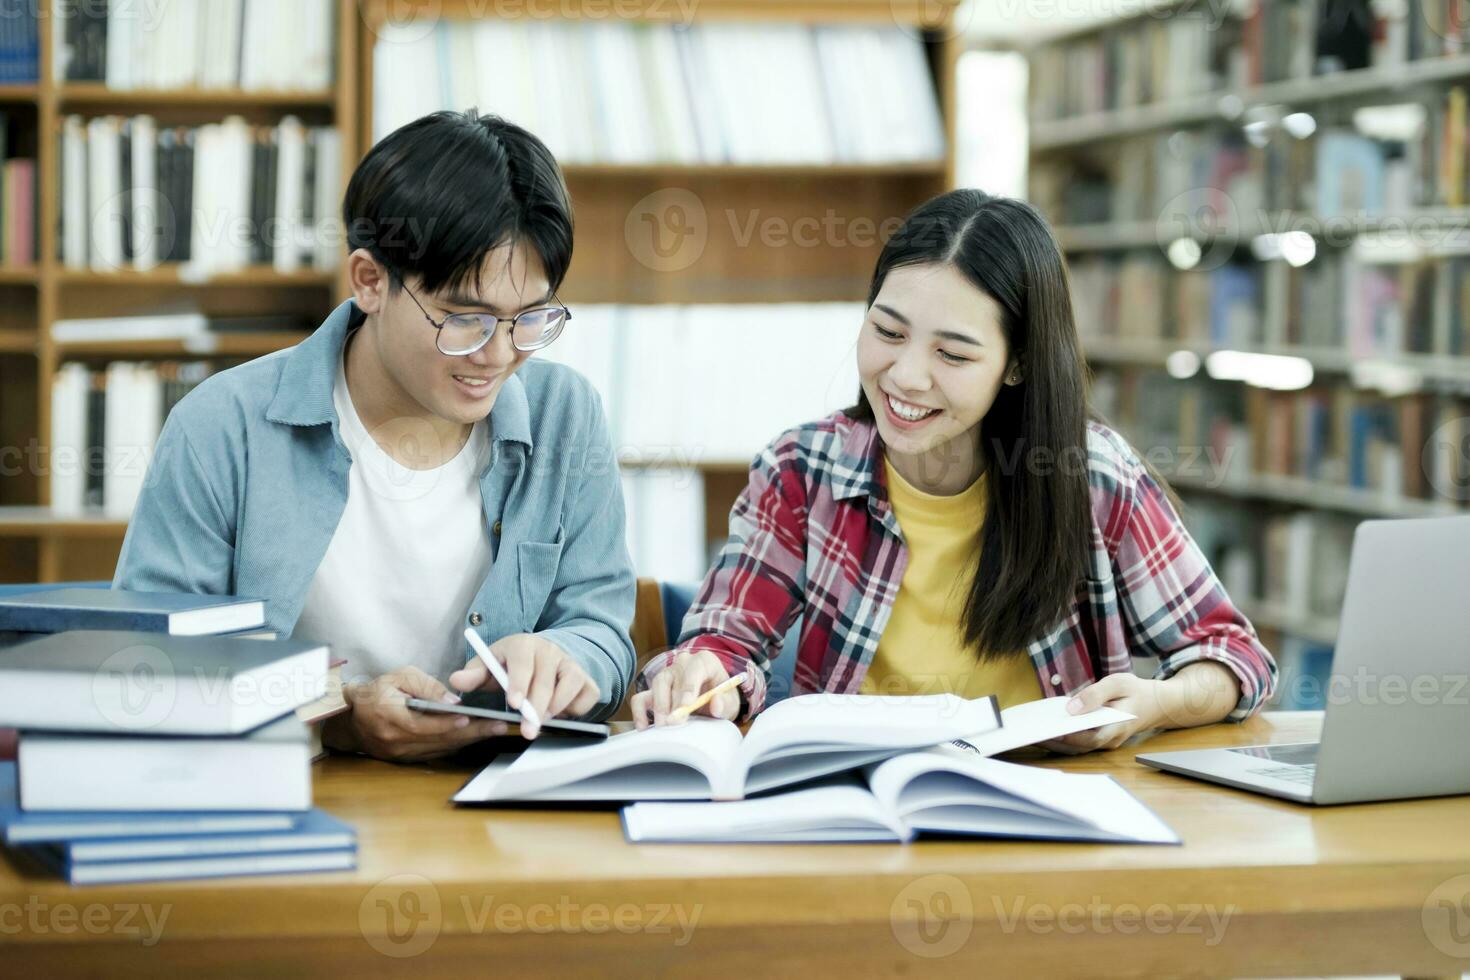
x=670, y=375
x=620, y=92
x=1216, y=179
x=1299, y=559
x=1216, y=435
x=666, y=516
x=106, y=419
x=111, y=782
x=253, y=45
x=216, y=197
x=1335, y=302
x=1202, y=46
x=104, y=424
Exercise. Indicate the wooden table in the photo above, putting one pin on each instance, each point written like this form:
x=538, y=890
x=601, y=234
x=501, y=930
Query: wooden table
x=1260, y=888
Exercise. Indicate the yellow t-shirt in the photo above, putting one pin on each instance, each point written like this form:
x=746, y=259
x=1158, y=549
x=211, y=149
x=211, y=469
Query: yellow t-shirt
x=922, y=650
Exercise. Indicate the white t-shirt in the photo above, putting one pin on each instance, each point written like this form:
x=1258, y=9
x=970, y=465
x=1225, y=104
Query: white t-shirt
x=406, y=559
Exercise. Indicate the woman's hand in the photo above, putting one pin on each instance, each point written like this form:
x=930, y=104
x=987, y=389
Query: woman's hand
x=1201, y=693
x=540, y=672
x=687, y=677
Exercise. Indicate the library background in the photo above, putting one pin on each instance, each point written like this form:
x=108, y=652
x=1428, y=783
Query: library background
x=1263, y=207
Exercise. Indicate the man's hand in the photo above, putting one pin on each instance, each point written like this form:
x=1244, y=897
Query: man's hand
x=685, y=678
x=540, y=672
x=382, y=725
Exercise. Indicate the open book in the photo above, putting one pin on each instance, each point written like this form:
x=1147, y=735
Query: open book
x=943, y=790
x=798, y=739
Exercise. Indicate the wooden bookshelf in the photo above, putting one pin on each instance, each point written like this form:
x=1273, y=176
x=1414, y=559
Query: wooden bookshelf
x=731, y=271
x=1081, y=141
x=37, y=544
x=40, y=545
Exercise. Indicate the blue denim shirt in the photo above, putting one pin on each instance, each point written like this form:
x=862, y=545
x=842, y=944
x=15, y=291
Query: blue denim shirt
x=249, y=480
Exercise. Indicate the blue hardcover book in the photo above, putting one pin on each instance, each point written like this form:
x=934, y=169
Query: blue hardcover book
x=176, y=613
x=19, y=827
x=177, y=869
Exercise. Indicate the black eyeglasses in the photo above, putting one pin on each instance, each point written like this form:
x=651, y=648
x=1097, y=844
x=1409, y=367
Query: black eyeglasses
x=459, y=334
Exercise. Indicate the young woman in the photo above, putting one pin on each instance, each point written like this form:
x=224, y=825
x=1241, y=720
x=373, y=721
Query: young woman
x=965, y=527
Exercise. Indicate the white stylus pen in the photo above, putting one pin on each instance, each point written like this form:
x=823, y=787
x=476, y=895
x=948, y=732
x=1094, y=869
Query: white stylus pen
x=497, y=671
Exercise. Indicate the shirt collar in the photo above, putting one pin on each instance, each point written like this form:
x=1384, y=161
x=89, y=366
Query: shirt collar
x=304, y=393
x=858, y=463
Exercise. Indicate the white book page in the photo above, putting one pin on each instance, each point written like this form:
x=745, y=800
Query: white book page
x=1038, y=721
x=920, y=782
x=861, y=721
x=991, y=822
x=1091, y=800
x=821, y=813
x=702, y=744
x=649, y=781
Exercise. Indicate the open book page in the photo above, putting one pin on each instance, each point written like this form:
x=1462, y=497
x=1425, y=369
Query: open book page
x=704, y=746
x=914, y=784
x=845, y=812
x=848, y=729
x=1037, y=721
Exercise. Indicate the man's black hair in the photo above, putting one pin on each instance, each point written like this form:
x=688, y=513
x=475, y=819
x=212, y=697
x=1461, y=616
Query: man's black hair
x=433, y=197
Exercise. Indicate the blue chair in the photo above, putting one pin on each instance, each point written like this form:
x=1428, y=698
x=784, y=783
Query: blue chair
x=677, y=597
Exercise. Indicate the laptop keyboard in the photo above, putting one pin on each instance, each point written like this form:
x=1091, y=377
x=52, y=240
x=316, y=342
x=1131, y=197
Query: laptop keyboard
x=1291, y=774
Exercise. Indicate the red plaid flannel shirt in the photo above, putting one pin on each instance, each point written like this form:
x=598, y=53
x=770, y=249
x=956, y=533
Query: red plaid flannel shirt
x=813, y=535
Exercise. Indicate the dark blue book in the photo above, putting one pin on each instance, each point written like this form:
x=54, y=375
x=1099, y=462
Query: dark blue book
x=19, y=827
x=178, y=869
x=121, y=682
x=176, y=613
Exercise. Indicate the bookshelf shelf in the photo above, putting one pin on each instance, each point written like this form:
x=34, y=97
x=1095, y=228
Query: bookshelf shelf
x=18, y=94
x=1227, y=105
x=19, y=275
x=1309, y=493
x=17, y=342
x=206, y=345
x=84, y=94
x=43, y=521
x=175, y=275
x=1124, y=235
x=1433, y=371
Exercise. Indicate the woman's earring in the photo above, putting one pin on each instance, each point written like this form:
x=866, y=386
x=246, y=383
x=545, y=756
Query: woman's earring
x=1015, y=378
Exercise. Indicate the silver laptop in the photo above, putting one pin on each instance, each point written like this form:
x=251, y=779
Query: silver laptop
x=1397, y=716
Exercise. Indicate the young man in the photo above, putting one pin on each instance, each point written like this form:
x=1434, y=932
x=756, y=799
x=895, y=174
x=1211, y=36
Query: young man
x=409, y=470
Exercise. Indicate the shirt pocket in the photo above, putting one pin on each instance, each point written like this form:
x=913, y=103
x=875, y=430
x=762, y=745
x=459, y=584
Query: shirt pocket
x=538, y=564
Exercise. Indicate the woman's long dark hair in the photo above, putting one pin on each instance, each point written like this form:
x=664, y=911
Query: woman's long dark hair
x=1036, y=538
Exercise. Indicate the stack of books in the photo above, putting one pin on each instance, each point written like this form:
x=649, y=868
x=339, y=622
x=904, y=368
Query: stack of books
x=171, y=753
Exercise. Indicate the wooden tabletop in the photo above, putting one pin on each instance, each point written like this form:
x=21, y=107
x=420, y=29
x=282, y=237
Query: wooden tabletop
x=1260, y=887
